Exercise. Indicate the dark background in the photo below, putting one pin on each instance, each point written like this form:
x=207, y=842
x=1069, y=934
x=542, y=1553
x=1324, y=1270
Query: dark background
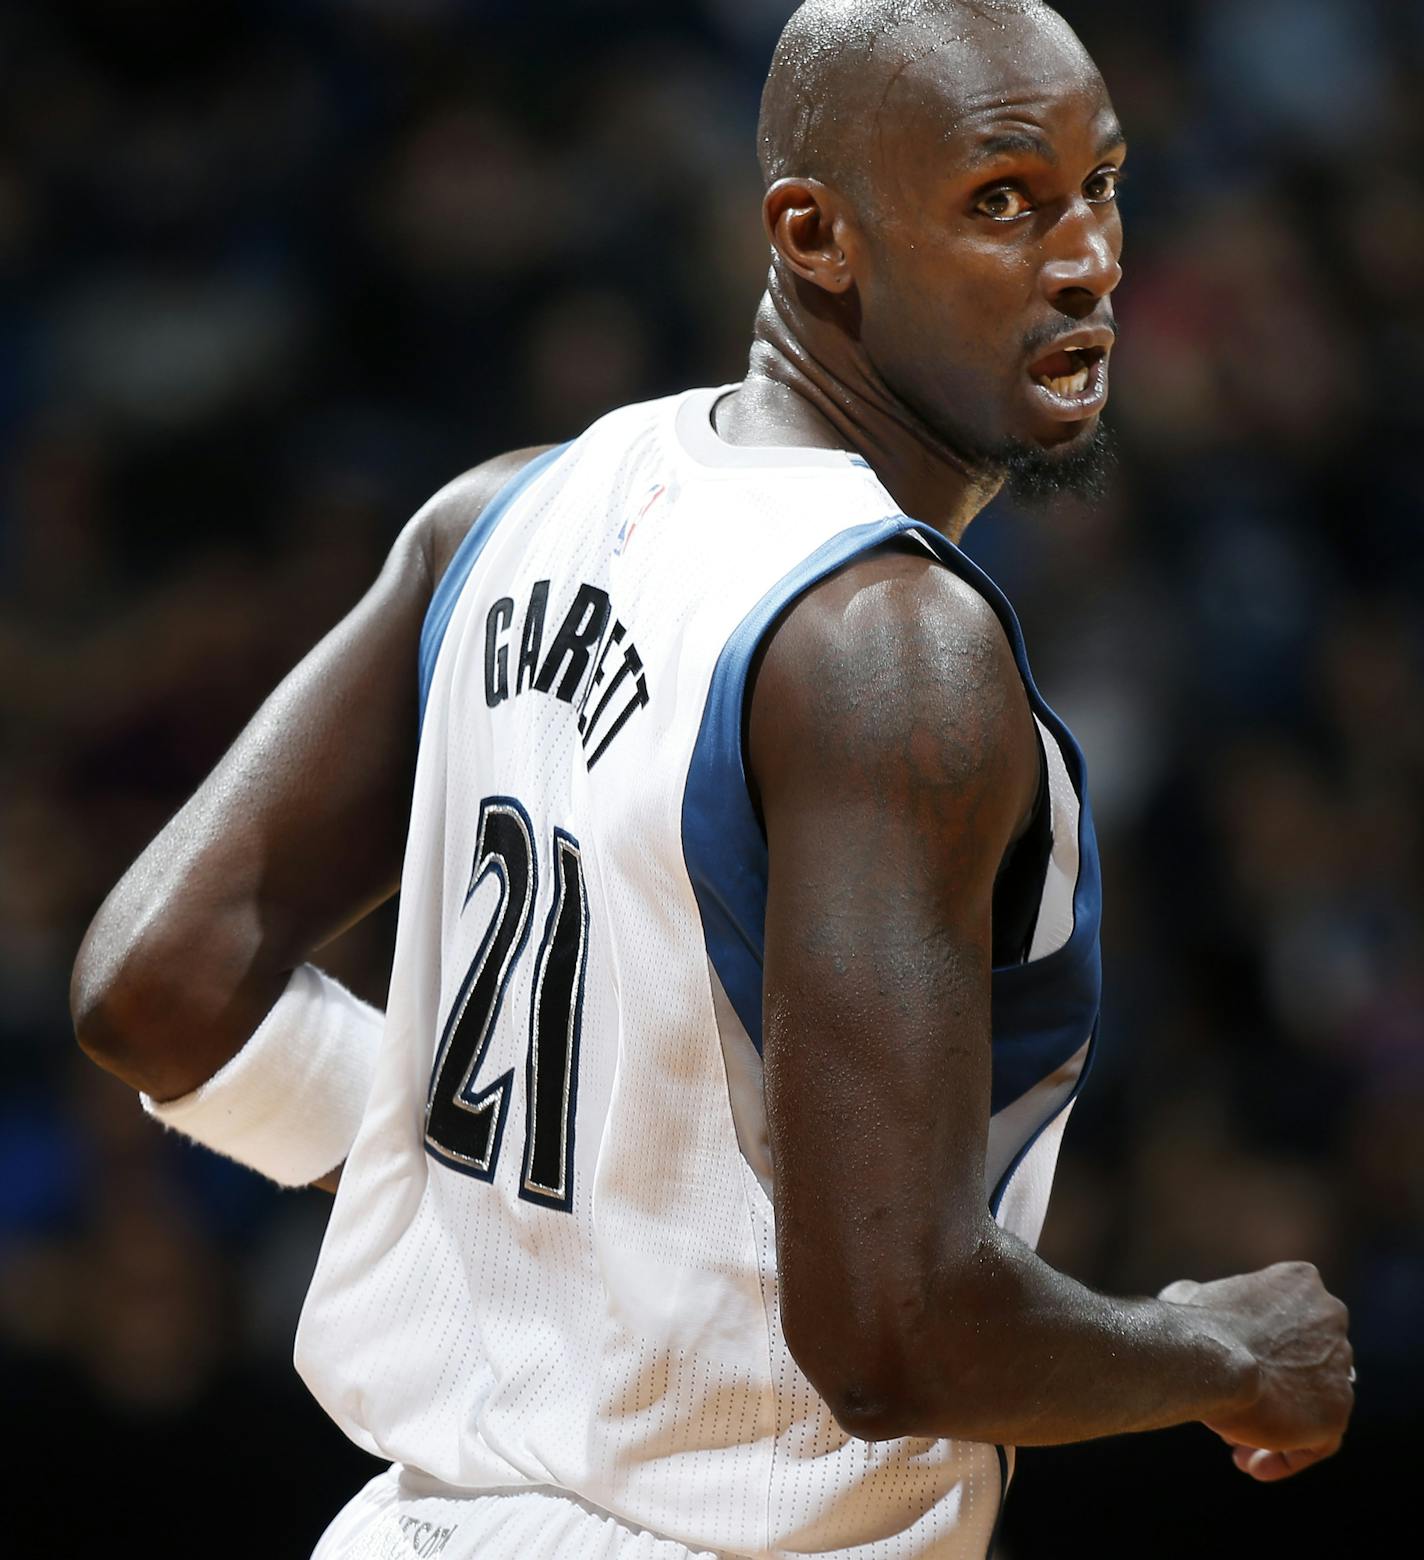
x=272, y=272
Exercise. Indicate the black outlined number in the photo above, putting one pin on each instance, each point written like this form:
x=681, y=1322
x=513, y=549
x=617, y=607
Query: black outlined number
x=555, y=1018
x=464, y=1126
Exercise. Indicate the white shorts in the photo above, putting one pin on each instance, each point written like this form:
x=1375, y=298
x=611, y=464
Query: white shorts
x=398, y=1517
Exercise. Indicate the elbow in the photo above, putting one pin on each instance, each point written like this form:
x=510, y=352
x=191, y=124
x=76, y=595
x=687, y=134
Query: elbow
x=866, y=1377
x=116, y=1006
x=98, y=1000
x=153, y=996
x=120, y=1024
x=163, y=1002
x=914, y=1361
x=89, y=998
x=871, y=1401
x=876, y=1411
x=929, y=1397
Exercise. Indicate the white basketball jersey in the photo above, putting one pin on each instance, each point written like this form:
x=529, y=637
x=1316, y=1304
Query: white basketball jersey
x=551, y=1261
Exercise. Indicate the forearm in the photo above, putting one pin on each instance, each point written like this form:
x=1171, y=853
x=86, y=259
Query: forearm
x=1015, y=1352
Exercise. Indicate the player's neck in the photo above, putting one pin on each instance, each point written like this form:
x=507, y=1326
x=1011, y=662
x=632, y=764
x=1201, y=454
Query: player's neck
x=808, y=384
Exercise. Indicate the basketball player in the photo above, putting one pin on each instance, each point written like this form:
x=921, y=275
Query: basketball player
x=747, y=965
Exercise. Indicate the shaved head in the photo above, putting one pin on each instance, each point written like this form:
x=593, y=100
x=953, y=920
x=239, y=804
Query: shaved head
x=837, y=65
x=941, y=202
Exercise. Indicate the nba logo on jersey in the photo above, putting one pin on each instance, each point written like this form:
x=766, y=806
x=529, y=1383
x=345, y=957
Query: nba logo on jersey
x=625, y=533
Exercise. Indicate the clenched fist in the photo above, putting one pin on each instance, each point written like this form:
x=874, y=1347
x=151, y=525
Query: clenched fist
x=1297, y=1332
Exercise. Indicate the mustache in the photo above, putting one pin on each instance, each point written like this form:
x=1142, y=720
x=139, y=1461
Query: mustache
x=1045, y=335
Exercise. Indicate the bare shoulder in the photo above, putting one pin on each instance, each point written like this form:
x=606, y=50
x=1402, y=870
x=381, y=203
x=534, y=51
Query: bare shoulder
x=443, y=522
x=893, y=677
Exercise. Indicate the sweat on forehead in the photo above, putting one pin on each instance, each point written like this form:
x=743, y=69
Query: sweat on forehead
x=836, y=63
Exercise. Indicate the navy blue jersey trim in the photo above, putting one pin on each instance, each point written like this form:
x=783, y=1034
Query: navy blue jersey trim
x=722, y=841
x=447, y=592
x=1043, y=1010
x=997, y=1196
x=1003, y=1497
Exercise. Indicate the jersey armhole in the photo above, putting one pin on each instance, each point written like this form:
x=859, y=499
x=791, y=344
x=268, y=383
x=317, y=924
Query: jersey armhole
x=452, y=582
x=724, y=844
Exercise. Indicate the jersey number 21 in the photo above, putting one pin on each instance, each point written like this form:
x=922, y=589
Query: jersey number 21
x=464, y=1123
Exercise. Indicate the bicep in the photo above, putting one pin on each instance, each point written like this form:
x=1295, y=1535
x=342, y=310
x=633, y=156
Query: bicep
x=895, y=760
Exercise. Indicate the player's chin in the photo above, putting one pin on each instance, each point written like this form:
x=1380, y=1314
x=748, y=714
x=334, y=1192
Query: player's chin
x=1077, y=462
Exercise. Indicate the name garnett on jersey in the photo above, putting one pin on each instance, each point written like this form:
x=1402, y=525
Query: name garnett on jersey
x=590, y=650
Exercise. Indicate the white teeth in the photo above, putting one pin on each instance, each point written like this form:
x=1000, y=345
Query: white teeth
x=1068, y=384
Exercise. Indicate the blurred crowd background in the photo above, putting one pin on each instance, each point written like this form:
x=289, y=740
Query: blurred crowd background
x=273, y=270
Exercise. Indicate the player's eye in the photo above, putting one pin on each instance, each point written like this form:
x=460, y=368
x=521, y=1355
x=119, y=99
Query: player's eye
x=1102, y=187
x=1004, y=204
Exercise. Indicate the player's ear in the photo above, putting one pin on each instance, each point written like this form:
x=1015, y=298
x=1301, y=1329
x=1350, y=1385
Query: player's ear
x=806, y=222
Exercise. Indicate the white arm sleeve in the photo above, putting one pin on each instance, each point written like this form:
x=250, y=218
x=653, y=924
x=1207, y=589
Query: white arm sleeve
x=289, y=1103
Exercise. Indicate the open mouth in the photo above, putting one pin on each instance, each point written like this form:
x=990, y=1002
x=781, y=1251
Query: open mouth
x=1068, y=373
x=1072, y=382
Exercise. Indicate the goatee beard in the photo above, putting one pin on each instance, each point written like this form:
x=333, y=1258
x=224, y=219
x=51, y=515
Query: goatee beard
x=1033, y=474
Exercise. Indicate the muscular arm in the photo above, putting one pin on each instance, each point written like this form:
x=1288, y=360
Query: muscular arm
x=296, y=834
x=895, y=759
